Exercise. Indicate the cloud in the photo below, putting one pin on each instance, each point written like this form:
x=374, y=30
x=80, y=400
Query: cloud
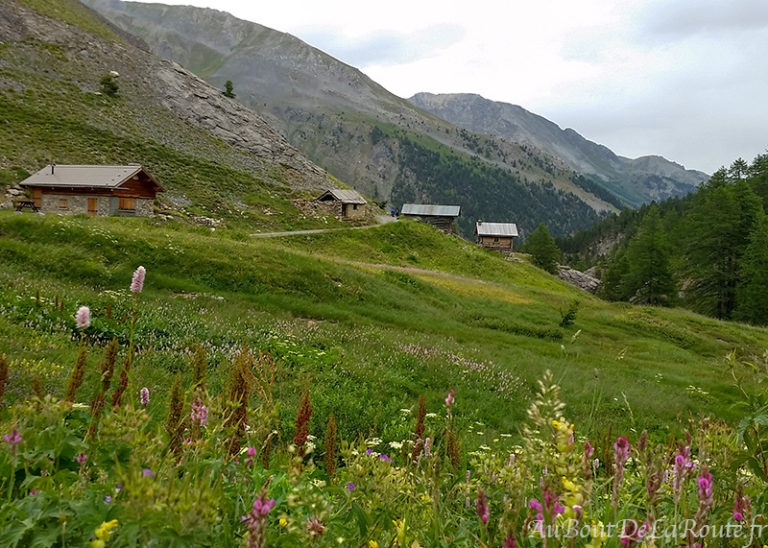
x=685, y=18
x=383, y=47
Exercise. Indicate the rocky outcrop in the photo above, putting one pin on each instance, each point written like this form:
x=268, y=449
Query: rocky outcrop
x=583, y=280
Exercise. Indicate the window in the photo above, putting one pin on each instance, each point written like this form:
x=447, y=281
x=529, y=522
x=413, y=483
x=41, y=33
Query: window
x=63, y=203
x=496, y=240
x=354, y=206
x=127, y=203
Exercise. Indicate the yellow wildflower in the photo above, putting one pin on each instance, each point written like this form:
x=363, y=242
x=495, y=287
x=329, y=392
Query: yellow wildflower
x=373, y=544
x=103, y=532
x=283, y=522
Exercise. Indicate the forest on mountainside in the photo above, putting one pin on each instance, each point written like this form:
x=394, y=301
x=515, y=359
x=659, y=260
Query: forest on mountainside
x=707, y=251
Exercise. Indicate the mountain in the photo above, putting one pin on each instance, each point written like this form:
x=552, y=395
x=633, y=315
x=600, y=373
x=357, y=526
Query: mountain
x=215, y=156
x=634, y=180
x=367, y=137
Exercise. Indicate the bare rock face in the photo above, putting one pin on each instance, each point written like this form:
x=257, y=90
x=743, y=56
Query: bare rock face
x=583, y=280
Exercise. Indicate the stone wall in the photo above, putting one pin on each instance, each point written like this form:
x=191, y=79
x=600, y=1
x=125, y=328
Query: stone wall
x=70, y=204
x=354, y=211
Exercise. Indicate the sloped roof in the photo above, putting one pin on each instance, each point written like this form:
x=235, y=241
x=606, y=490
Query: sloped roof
x=344, y=196
x=82, y=176
x=430, y=210
x=496, y=229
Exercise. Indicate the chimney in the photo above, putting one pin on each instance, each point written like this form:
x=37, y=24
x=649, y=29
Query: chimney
x=479, y=221
x=53, y=168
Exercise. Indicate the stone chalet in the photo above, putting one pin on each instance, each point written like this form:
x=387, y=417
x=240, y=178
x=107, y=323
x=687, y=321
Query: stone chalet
x=93, y=190
x=442, y=217
x=345, y=204
x=498, y=236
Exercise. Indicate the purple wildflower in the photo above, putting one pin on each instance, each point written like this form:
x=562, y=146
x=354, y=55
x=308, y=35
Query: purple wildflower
x=620, y=456
x=14, y=438
x=481, y=504
x=81, y=458
x=199, y=413
x=256, y=520
x=449, y=400
x=385, y=458
x=427, y=451
x=137, y=283
x=351, y=486
x=83, y=317
x=144, y=396
x=107, y=499
x=148, y=472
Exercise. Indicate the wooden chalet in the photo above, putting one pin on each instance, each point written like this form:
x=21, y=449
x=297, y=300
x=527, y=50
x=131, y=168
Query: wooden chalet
x=93, y=190
x=442, y=217
x=345, y=204
x=498, y=236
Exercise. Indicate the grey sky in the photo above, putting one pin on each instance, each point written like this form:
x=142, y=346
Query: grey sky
x=684, y=79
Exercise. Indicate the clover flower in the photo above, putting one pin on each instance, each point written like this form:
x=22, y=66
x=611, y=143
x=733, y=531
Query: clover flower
x=137, y=283
x=83, y=317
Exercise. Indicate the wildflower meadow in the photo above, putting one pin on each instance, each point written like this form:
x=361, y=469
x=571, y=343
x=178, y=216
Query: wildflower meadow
x=103, y=469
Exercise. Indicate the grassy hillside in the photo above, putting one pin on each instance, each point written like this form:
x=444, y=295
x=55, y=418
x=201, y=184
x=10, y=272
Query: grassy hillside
x=52, y=109
x=370, y=317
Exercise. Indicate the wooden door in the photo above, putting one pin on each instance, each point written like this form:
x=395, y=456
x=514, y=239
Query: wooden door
x=93, y=206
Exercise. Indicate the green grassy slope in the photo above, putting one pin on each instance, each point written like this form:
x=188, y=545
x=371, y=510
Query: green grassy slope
x=370, y=317
x=50, y=110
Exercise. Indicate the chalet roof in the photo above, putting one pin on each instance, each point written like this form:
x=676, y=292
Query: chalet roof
x=77, y=176
x=344, y=196
x=430, y=210
x=496, y=229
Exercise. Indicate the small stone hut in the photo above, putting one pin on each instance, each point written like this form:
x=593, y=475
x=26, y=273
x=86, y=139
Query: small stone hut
x=93, y=190
x=345, y=204
x=498, y=236
x=442, y=217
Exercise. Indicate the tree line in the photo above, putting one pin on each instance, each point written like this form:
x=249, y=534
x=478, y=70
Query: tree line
x=707, y=251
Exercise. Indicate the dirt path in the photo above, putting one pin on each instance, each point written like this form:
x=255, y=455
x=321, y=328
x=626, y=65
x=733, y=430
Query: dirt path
x=380, y=220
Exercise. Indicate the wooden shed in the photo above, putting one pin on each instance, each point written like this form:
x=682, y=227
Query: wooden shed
x=345, y=204
x=498, y=236
x=93, y=190
x=442, y=217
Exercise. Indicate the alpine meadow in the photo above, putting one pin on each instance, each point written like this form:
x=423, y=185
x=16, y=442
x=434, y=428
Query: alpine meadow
x=216, y=329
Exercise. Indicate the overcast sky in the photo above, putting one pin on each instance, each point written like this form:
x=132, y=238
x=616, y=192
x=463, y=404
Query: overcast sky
x=685, y=79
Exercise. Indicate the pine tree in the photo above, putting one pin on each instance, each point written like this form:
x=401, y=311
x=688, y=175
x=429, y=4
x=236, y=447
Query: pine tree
x=543, y=249
x=649, y=279
x=752, y=294
x=228, y=89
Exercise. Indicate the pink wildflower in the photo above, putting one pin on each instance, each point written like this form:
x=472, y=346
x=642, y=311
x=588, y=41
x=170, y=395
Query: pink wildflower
x=137, y=283
x=510, y=543
x=144, y=396
x=13, y=439
x=449, y=399
x=199, y=413
x=83, y=317
x=81, y=458
x=481, y=504
x=620, y=456
x=427, y=450
x=256, y=520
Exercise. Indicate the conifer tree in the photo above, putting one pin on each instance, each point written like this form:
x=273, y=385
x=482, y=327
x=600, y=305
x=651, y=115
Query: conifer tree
x=649, y=279
x=543, y=249
x=752, y=294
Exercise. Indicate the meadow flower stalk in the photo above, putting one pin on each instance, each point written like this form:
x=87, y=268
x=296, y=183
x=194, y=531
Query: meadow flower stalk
x=706, y=500
x=329, y=442
x=137, y=282
x=256, y=520
x=3, y=376
x=76, y=376
x=302, y=422
x=418, y=431
x=481, y=506
x=144, y=396
x=83, y=317
x=620, y=455
x=239, y=395
x=682, y=468
x=175, y=408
